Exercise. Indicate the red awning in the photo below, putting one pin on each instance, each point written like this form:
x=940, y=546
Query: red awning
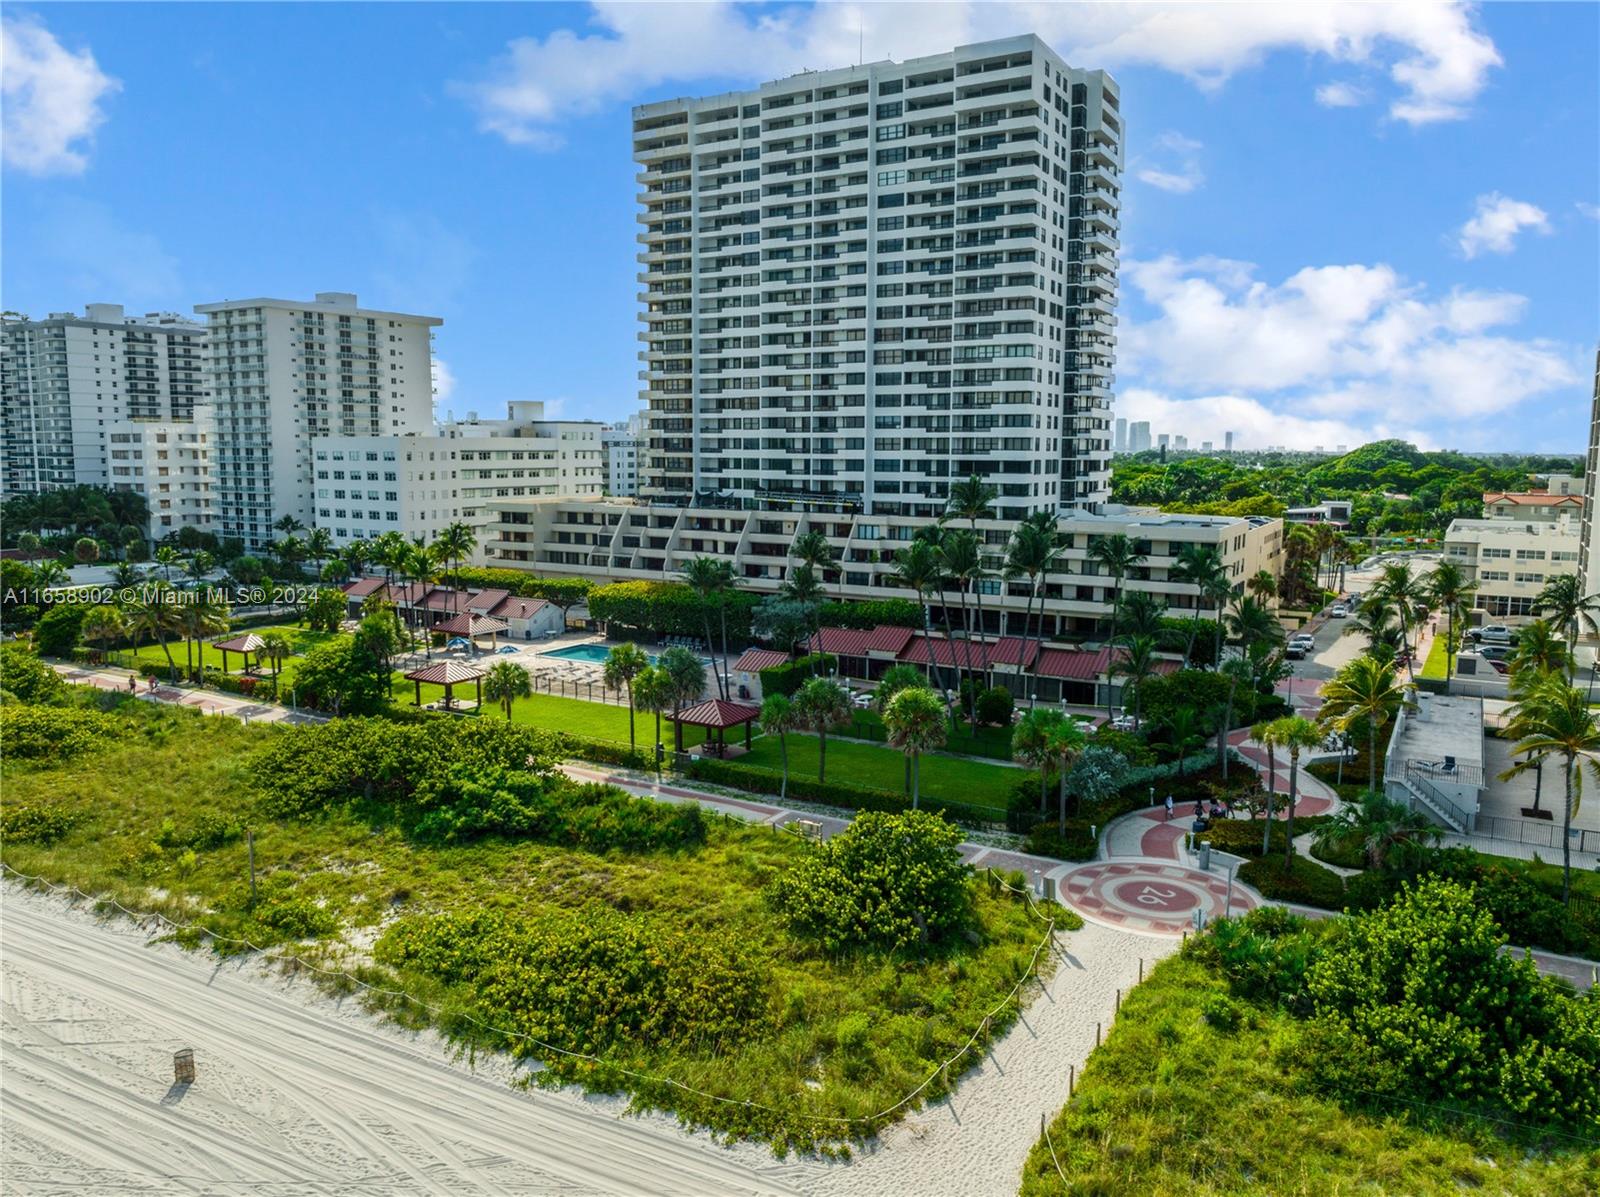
x=467, y=624
x=960, y=654
x=888, y=639
x=754, y=660
x=1013, y=650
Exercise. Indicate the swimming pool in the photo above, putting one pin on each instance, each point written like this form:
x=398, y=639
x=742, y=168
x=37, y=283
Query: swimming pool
x=596, y=654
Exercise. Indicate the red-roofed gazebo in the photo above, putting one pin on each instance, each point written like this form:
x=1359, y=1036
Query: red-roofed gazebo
x=245, y=644
x=448, y=674
x=472, y=626
x=718, y=715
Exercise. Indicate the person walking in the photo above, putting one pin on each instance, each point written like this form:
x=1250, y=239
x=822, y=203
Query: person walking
x=1169, y=808
x=133, y=684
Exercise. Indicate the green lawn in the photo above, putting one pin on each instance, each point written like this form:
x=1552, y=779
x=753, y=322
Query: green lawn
x=301, y=640
x=992, y=742
x=1434, y=665
x=953, y=779
x=592, y=720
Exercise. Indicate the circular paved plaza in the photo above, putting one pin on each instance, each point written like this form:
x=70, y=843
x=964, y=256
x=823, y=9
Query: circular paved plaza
x=1145, y=896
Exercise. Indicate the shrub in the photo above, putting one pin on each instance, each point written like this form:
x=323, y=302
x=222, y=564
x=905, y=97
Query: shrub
x=1242, y=837
x=588, y=981
x=26, y=678
x=1265, y=955
x=869, y=613
x=1221, y=1012
x=785, y=679
x=670, y=609
x=1306, y=883
x=1076, y=843
x=52, y=733
x=995, y=706
x=37, y=824
x=56, y=634
x=1419, y=999
x=831, y=793
x=295, y=918
x=886, y=882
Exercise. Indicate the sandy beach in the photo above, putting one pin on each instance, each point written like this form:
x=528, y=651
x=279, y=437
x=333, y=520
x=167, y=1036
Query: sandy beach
x=301, y=1093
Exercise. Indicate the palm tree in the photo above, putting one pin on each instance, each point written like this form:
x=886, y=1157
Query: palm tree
x=711, y=579
x=1140, y=614
x=150, y=614
x=1035, y=547
x=198, y=618
x=812, y=549
x=1031, y=745
x=166, y=558
x=1540, y=649
x=1375, y=619
x=102, y=625
x=653, y=691
x=778, y=718
x=1236, y=670
x=1365, y=691
x=1199, y=565
x=1067, y=740
x=506, y=682
x=1262, y=585
x=973, y=500
x=688, y=677
x=274, y=651
x=1187, y=731
x=802, y=585
x=289, y=525
x=624, y=663
x=1137, y=663
x=50, y=573
x=916, y=723
x=1387, y=831
x=356, y=555
x=1564, y=605
x=916, y=567
x=319, y=546
x=1116, y=554
x=1407, y=593
x=1553, y=719
x=822, y=704
x=1324, y=537
x=421, y=563
x=201, y=564
x=1449, y=589
x=963, y=565
x=1295, y=733
x=1263, y=734
x=452, y=546
x=125, y=575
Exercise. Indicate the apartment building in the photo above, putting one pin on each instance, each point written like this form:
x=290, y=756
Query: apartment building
x=286, y=373
x=1511, y=560
x=1139, y=436
x=169, y=462
x=68, y=381
x=417, y=484
x=623, y=441
x=618, y=540
x=862, y=284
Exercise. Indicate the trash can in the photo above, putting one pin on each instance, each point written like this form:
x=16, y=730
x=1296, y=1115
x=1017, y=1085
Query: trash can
x=183, y=1066
x=1205, y=855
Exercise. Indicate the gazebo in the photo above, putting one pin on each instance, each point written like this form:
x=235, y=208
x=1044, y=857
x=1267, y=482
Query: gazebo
x=718, y=715
x=472, y=626
x=448, y=674
x=245, y=644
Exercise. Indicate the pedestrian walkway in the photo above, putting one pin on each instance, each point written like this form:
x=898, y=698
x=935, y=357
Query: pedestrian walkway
x=207, y=702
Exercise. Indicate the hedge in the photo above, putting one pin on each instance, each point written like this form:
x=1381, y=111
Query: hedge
x=805, y=789
x=787, y=678
x=563, y=592
x=870, y=613
x=671, y=609
x=1306, y=884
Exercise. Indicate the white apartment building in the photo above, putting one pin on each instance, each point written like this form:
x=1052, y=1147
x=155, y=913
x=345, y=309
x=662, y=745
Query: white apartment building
x=285, y=373
x=610, y=539
x=1512, y=559
x=169, y=462
x=622, y=442
x=1139, y=436
x=861, y=284
x=417, y=484
x=66, y=381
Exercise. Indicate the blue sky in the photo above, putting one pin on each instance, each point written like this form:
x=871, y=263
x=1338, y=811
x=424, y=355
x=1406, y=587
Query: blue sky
x=1340, y=221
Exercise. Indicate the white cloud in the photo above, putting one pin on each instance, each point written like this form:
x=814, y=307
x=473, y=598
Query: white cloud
x=51, y=99
x=1350, y=346
x=1592, y=211
x=1255, y=424
x=1498, y=221
x=1183, y=178
x=1340, y=95
x=1433, y=53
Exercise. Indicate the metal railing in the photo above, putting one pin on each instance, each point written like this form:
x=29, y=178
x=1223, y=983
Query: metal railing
x=1536, y=832
x=1450, y=809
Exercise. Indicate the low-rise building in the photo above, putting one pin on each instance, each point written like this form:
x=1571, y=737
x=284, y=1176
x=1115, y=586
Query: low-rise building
x=1330, y=511
x=1434, y=763
x=418, y=485
x=609, y=539
x=1511, y=560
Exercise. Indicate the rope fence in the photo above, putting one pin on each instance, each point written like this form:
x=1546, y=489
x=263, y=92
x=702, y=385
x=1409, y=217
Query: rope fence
x=140, y=918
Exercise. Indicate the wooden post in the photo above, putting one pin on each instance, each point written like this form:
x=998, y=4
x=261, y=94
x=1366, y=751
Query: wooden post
x=1141, y=969
x=1041, y=1126
x=250, y=847
x=1097, y=1034
x=1072, y=1079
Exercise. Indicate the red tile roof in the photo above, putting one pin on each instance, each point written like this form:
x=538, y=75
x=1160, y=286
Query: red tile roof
x=841, y=642
x=468, y=624
x=443, y=599
x=361, y=587
x=1087, y=665
x=885, y=638
x=717, y=713
x=485, y=601
x=1533, y=499
x=754, y=660
x=1013, y=650
x=963, y=654
x=513, y=607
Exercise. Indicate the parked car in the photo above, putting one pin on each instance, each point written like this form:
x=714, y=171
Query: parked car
x=1295, y=650
x=1339, y=611
x=1495, y=652
x=1492, y=633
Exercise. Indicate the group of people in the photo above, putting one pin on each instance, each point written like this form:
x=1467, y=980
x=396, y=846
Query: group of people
x=1204, y=813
